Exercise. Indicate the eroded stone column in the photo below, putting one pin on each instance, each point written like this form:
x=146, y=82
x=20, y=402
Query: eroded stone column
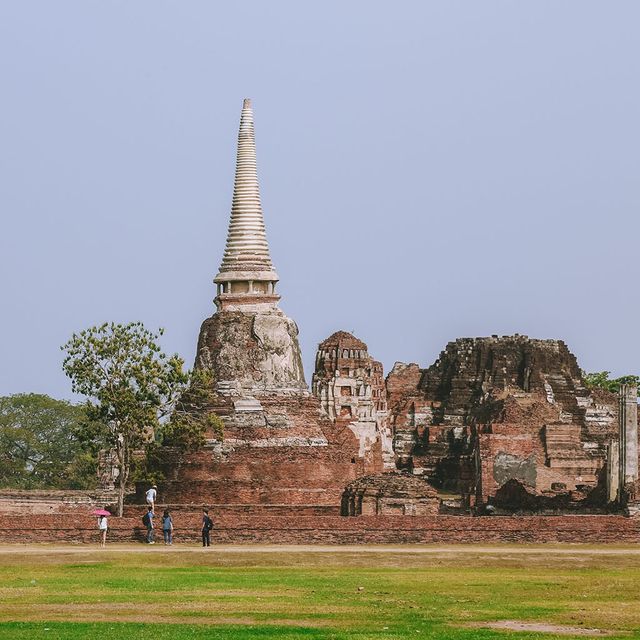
x=628, y=417
x=613, y=471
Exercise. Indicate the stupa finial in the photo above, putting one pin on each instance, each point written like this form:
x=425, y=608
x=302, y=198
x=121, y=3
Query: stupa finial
x=246, y=272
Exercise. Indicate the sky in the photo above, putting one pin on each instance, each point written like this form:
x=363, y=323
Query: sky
x=429, y=170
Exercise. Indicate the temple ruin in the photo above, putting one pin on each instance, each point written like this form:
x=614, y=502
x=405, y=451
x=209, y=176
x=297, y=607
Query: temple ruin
x=496, y=424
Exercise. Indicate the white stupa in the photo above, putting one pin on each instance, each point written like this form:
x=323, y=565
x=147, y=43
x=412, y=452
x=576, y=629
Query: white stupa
x=247, y=279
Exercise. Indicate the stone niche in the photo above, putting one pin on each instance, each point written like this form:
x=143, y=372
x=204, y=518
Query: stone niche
x=393, y=493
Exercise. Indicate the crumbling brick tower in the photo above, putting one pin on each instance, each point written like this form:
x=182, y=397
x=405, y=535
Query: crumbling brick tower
x=350, y=386
x=277, y=448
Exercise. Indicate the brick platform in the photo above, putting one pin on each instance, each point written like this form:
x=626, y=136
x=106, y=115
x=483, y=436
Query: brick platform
x=231, y=528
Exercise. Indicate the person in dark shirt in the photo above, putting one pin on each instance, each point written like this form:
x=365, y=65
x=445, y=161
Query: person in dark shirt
x=207, y=525
x=148, y=521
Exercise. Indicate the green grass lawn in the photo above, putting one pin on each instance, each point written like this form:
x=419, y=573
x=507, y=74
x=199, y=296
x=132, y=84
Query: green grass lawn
x=447, y=592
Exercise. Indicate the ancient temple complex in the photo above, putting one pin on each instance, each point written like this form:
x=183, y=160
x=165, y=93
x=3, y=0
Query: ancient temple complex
x=504, y=423
x=497, y=425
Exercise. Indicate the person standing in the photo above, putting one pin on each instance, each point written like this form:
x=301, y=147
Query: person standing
x=103, y=526
x=151, y=496
x=167, y=527
x=207, y=525
x=147, y=520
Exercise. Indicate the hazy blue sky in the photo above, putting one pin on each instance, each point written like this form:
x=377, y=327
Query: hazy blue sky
x=429, y=170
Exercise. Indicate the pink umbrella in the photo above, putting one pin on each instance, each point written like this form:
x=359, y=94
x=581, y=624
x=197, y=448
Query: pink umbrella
x=101, y=512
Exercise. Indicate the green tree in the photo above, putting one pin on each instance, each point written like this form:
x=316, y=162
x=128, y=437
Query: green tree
x=185, y=430
x=40, y=444
x=187, y=427
x=601, y=380
x=131, y=387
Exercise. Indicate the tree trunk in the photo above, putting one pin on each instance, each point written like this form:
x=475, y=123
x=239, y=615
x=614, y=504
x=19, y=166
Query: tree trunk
x=121, y=490
x=123, y=477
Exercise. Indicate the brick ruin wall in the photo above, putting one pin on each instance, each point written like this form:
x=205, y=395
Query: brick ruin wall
x=18, y=502
x=279, y=447
x=494, y=410
x=257, y=475
x=235, y=529
x=65, y=517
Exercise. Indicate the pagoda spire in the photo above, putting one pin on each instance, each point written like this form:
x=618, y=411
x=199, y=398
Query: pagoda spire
x=246, y=276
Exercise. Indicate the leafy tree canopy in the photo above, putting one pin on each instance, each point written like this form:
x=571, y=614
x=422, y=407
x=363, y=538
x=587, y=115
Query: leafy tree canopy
x=187, y=425
x=40, y=445
x=601, y=380
x=132, y=387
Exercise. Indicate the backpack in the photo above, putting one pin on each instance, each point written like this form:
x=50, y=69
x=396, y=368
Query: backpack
x=145, y=519
x=208, y=523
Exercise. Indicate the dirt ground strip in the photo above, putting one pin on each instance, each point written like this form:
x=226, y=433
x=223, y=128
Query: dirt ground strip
x=123, y=612
x=541, y=627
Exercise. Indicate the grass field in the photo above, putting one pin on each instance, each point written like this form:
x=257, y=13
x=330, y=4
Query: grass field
x=266, y=592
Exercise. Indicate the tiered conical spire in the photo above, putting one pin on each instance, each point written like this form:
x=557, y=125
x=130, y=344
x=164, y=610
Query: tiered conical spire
x=246, y=256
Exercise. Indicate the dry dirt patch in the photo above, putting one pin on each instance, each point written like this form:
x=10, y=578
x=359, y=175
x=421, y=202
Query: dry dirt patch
x=168, y=613
x=130, y=612
x=544, y=627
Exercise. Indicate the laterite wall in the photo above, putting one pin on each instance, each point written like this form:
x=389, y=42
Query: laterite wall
x=232, y=528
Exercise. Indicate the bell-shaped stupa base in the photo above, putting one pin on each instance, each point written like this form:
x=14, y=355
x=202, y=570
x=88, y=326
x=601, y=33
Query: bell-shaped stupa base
x=252, y=353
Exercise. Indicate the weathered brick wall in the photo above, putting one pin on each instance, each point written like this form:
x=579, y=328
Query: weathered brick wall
x=288, y=453
x=276, y=475
x=47, y=501
x=136, y=510
x=519, y=445
x=527, y=400
x=336, y=530
x=405, y=404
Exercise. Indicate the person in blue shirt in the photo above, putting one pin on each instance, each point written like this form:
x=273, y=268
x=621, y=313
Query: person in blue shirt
x=167, y=527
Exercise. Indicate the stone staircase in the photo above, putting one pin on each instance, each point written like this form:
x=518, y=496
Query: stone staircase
x=566, y=452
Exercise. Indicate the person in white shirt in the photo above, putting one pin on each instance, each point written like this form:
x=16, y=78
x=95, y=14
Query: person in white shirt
x=151, y=497
x=103, y=525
